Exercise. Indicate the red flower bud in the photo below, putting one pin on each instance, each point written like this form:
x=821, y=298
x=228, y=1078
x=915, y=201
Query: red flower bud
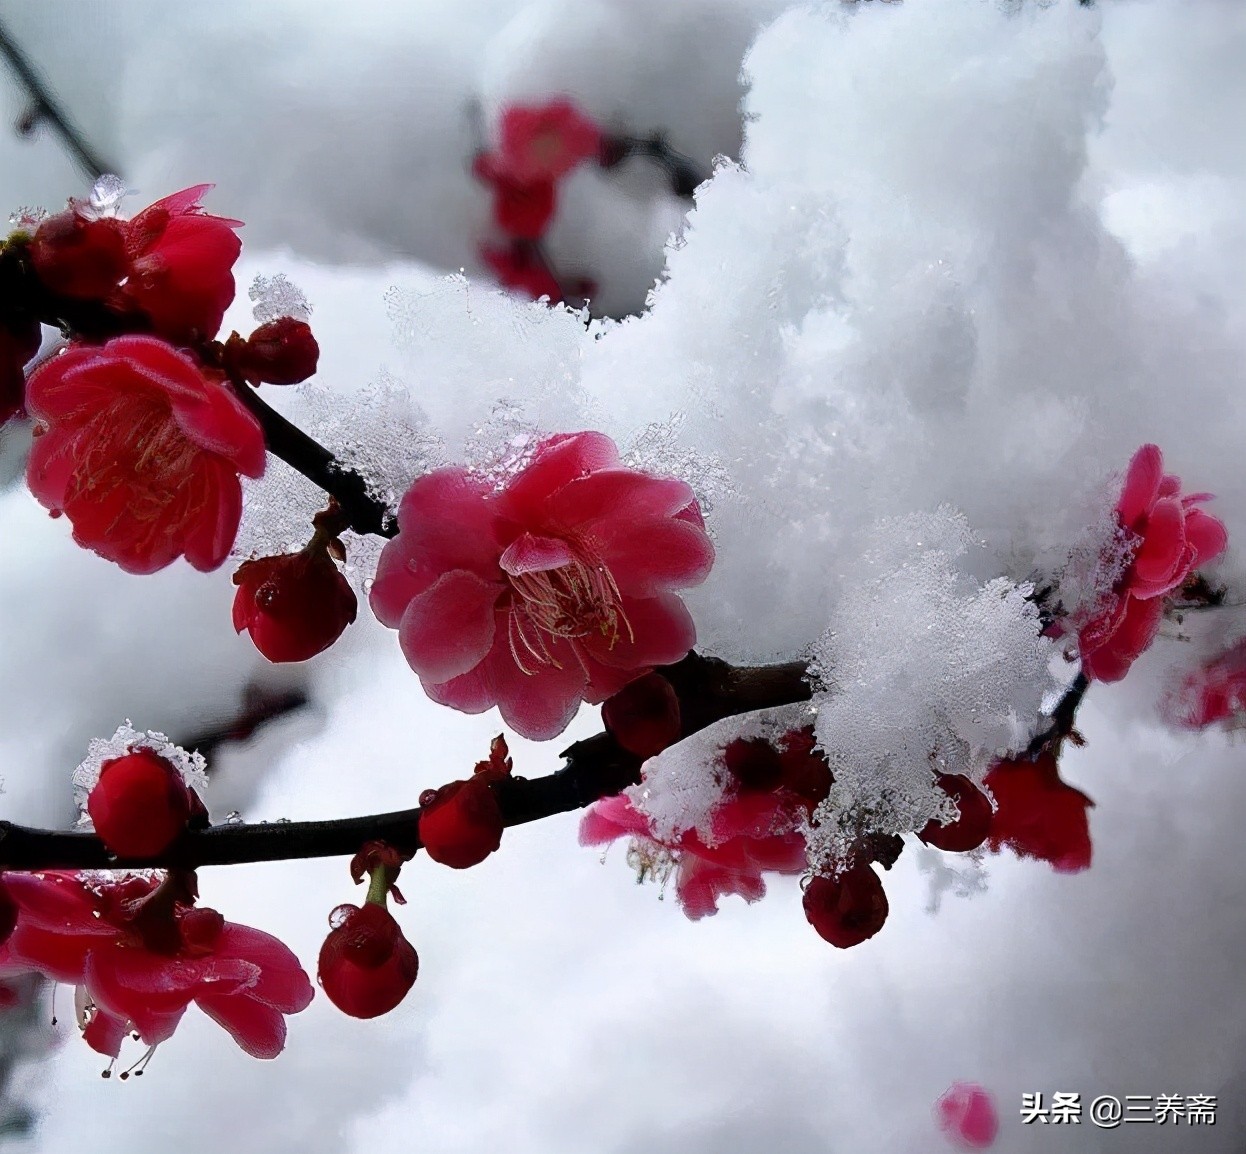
x=281, y=352
x=366, y=965
x=643, y=717
x=971, y=828
x=295, y=605
x=522, y=209
x=846, y=909
x=140, y=804
x=461, y=823
x=76, y=256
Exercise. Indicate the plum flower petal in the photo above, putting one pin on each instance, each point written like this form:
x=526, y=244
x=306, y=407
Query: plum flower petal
x=1170, y=537
x=552, y=590
x=142, y=452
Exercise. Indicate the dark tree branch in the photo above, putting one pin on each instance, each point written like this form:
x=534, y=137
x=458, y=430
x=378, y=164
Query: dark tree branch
x=362, y=512
x=44, y=107
x=595, y=768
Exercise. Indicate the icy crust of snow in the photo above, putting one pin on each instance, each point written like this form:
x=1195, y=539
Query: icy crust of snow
x=921, y=671
x=683, y=785
x=191, y=765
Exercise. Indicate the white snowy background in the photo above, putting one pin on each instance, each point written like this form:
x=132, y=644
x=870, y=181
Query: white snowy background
x=976, y=254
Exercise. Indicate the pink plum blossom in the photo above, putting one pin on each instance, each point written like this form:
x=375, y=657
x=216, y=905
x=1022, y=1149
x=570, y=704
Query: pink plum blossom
x=142, y=952
x=966, y=1114
x=1169, y=538
x=554, y=589
x=752, y=837
x=1216, y=692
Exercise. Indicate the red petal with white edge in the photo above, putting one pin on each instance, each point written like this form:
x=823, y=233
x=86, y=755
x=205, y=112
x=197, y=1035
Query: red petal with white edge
x=448, y=629
x=1206, y=535
x=1142, y=482
x=258, y=1029
x=539, y=705
x=649, y=557
x=1157, y=564
x=282, y=982
x=557, y=462
x=617, y=493
x=529, y=553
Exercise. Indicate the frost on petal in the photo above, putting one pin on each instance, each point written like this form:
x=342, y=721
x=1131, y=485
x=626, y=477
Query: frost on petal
x=684, y=786
x=190, y=764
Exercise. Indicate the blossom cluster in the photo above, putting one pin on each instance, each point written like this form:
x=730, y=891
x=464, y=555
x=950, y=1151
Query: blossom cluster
x=533, y=588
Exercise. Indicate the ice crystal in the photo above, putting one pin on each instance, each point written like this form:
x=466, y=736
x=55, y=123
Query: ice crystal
x=964, y=880
x=106, y=195
x=682, y=786
x=27, y=217
x=922, y=671
x=277, y=296
x=125, y=740
x=656, y=449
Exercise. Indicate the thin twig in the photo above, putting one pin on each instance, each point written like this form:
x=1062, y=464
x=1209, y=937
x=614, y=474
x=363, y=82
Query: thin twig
x=45, y=107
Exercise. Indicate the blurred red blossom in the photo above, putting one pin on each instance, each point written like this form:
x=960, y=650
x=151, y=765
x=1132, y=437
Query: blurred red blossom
x=294, y=606
x=143, y=952
x=141, y=449
x=1038, y=815
x=966, y=1114
x=366, y=965
x=1169, y=537
x=520, y=267
x=1214, y=693
x=546, y=141
x=521, y=209
x=140, y=804
x=555, y=588
x=173, y=263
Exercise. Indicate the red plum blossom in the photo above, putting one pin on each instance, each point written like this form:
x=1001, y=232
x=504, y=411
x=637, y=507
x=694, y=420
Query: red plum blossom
x=554, y=589
x=141, y=450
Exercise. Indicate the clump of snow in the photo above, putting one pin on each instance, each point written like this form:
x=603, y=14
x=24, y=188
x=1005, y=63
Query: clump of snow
x=683, y=785
x=127, y=739
x=277, y=296
x=921, y=671
x=107, y=194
